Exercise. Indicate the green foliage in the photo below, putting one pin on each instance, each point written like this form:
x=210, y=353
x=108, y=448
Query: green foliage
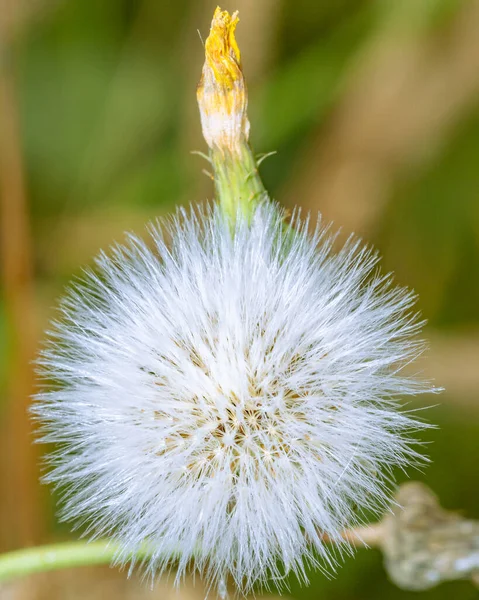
x=431, y=231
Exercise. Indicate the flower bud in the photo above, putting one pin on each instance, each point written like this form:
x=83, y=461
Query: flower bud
x=222, y=95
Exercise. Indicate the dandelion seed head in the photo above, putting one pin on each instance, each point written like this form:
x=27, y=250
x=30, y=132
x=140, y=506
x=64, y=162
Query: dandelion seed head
x=229, y=397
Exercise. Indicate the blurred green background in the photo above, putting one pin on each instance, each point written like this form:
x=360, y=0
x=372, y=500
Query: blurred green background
x=373, y=109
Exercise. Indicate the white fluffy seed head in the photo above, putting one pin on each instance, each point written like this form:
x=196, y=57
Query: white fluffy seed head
x=229, y=397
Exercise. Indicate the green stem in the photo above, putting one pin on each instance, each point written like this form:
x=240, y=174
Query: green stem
x=57, y=556
x=237, y=181
x=64, y=555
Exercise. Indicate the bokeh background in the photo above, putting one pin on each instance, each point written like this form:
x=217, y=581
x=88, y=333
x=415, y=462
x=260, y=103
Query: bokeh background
x=373, y=109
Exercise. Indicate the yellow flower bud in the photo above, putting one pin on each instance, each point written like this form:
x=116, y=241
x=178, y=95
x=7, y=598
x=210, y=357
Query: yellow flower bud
x=222, y=95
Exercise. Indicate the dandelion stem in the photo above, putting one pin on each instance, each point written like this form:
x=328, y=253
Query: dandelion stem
x=237, y=182
x=40, y=559
x=367, y=536
x=64, y=555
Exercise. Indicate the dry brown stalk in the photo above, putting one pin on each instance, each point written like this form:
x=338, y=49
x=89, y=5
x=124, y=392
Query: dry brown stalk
x=22, y=517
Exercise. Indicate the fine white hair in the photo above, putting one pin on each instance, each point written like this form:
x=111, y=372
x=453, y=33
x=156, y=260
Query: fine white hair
x=228, y=394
